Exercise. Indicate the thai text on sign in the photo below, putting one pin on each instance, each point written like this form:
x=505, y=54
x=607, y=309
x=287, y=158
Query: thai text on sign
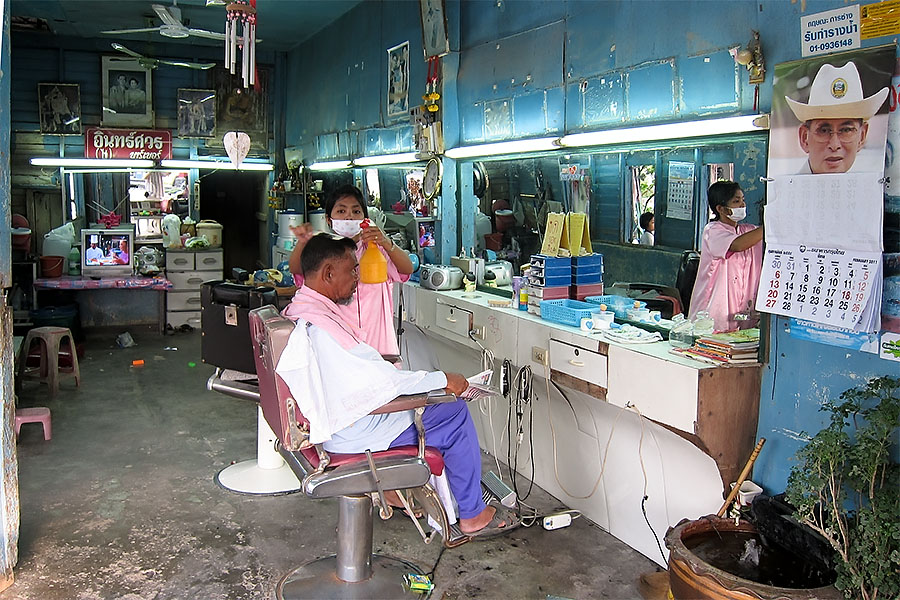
x=152, y=144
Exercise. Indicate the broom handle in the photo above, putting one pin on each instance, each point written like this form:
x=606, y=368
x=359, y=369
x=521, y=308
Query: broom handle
x=743, y=476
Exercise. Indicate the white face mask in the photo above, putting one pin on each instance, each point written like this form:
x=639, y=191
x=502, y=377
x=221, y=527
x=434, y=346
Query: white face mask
x=738, y=214
x=347, y=228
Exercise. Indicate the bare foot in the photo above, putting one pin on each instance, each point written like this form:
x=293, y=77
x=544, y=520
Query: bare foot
x=479, y=521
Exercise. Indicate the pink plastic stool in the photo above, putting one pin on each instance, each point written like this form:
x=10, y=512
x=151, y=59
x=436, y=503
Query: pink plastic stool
x=38, y=414
x=49, y=340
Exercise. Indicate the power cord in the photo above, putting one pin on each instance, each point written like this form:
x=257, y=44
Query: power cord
x=523, y=400
x=644, y=495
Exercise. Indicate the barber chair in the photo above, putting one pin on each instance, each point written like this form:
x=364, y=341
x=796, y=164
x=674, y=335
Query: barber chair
x=225, y=343
x=355, y=479
x=687, y=275
x=664, y=298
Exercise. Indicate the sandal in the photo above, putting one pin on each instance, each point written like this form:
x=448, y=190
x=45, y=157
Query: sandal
x=502, y=522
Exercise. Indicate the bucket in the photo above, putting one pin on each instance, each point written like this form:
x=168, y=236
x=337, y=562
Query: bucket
x=56, y=245
x=52, y=266
x=212, y=231
x=726, y=544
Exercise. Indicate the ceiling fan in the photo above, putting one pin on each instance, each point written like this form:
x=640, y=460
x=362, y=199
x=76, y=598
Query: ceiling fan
x=152, y=63
x=172, y=26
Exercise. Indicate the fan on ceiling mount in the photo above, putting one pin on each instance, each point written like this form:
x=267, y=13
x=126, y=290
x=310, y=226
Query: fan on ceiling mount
x=152, y=63
x=172, y=26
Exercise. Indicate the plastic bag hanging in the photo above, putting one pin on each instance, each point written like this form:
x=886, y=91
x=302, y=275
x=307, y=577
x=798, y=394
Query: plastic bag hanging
x=237, y=146
x=240, y=32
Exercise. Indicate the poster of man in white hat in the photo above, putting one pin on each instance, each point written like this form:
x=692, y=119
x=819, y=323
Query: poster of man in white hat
x=829, y=114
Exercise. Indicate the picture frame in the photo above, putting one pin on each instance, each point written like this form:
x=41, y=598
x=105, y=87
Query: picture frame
x=127, y=93
x=239, y=108
x=434, y=28
x=59, y=107
x=398, y=80
x=196, y=113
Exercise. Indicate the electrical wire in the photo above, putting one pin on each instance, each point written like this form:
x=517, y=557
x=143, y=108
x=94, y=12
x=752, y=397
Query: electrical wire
x=524, y=397
x=644, y=471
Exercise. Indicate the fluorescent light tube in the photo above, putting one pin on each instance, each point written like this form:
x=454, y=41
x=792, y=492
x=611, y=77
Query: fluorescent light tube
x=667, y=131
x=332, y=165
x=92, y=162
x=215, y=164
x=385, y=159
x=511, y=147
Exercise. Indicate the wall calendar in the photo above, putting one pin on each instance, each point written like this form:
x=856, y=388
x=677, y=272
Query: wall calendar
x=680, y=199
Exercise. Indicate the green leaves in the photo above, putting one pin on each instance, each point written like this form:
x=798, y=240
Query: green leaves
x=846, y=487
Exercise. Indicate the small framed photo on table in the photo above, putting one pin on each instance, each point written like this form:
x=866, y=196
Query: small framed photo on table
x=196, y=113
x=60, y=108
x=127, y=93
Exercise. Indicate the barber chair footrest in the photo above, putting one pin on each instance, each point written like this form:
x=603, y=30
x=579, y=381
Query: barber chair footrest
x=248, y=477
x=316, y=580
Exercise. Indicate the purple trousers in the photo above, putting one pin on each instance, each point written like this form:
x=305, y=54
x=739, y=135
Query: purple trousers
x=449, y=429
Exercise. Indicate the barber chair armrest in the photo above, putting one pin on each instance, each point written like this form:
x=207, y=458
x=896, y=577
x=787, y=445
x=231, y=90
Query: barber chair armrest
x=394, y=359
x=415, y=401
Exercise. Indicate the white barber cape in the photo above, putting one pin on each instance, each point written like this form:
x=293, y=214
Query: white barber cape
x=334, y=387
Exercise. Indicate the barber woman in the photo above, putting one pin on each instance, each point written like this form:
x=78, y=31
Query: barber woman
x=730, y=261
x=371, y=307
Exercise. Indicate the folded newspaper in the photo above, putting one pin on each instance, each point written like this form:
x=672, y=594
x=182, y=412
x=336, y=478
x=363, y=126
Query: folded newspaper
x=479, y=386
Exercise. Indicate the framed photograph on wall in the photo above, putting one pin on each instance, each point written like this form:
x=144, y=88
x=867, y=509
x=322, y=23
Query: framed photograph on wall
x=398, y=80
x=239, y=108
x=196, y=113
x=127, y=93
x=60, y=108
x=434, y=28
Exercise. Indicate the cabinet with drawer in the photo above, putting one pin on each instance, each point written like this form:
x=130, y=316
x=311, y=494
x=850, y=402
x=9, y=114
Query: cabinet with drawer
x=187, y=270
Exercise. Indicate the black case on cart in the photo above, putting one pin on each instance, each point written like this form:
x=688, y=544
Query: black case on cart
x=226, y=332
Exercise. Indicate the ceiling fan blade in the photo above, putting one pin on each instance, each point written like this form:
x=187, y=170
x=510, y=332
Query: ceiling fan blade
x=121, y=31
x=212, y=35
x=125, y=50
x=165, y=16
x=190, y=65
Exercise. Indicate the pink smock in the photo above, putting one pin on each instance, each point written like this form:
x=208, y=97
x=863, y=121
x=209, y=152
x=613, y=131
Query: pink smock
x=726, y=281
x=370, y=310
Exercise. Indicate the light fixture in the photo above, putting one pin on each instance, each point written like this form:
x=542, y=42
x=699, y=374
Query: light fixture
x=385, y=159
x=751, y=56
x=510, y=147
x=93, y=162
x=668, y=131
x=330, y=165
x=225, y=165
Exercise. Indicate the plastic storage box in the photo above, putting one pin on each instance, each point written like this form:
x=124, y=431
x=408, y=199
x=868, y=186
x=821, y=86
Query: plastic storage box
x=617, y=304
x=566, y=312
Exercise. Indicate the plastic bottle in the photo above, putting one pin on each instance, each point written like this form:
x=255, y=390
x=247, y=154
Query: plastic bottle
x=74, y=261
x=703, y=323
x=372, y=264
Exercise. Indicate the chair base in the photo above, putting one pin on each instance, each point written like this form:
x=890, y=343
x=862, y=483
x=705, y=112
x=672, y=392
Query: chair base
x=248, y=477
x=316, y=579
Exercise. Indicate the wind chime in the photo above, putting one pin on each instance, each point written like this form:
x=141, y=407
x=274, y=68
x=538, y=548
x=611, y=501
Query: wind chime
x=240, y=32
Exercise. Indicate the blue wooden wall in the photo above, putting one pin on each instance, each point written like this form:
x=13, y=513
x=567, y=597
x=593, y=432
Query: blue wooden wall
x=529, y=68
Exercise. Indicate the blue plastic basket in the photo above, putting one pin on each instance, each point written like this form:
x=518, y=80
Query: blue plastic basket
x=617, y=304
x=566, y=312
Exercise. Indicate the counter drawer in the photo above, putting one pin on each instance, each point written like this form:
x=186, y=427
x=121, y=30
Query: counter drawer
x=579, y=363
x=189, y=280
x=183, y=300
x=184, y=317
x=453, y=319
x=209, y=261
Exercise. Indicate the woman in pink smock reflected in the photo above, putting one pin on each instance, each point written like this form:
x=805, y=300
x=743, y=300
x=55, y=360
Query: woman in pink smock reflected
x=730, y=262
x=371, y=307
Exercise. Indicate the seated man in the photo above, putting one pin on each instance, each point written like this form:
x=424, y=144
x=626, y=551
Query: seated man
x=331, y=273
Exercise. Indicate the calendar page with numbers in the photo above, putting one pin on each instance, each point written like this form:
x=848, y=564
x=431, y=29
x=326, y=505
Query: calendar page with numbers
x=825, y=285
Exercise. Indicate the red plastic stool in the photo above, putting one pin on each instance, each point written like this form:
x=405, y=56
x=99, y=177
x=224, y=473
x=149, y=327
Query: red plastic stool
x=49, y=340
x=38, y=414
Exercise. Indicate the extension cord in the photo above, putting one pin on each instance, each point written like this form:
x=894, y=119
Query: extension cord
x=558, y=521
x=498, y=489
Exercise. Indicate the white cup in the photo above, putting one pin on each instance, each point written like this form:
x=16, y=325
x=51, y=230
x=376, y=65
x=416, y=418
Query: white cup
x=606, y=316
x=587, y=324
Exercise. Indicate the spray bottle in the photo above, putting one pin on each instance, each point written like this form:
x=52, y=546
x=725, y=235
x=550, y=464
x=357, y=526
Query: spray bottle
x=372, y=264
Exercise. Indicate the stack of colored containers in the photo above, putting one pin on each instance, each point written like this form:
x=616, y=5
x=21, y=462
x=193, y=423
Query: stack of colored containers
x=587, y=276
x=549, y=278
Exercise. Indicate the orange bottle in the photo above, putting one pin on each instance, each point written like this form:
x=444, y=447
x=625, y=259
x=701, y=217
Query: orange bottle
x=372, y=264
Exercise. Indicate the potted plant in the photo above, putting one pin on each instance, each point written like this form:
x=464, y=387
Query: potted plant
x=846, y=487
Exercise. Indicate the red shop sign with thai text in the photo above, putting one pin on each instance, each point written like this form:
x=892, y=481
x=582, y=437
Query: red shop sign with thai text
x=153, y=144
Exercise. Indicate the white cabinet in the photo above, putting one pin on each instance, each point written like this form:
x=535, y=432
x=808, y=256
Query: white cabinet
x=187, y=270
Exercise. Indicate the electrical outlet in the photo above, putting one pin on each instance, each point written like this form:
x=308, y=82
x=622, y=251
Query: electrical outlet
x=478, y=332
x=539, y=355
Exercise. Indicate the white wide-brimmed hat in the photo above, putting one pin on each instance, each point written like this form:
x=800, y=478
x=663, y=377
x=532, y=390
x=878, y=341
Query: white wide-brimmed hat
x=836, y=93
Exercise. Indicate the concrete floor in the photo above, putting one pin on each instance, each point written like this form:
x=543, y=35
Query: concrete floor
x=122, y=503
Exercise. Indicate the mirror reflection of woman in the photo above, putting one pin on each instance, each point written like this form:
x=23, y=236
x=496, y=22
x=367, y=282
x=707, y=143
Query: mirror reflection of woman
x=730, y=261
x=371, y=307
